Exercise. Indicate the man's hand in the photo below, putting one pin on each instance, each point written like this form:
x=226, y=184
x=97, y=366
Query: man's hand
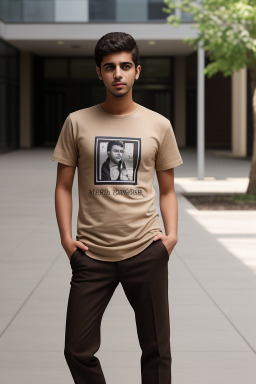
x=70, y=246
x=169, y=208
x=169, y=241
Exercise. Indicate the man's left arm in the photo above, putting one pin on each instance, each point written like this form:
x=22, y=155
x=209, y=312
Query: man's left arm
x=169, y=208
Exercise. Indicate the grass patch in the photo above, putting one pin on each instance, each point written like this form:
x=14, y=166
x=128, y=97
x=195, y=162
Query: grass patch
x=222, y=201
x=245, y=197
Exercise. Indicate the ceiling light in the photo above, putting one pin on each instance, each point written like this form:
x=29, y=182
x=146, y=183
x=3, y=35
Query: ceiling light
x=152, y=42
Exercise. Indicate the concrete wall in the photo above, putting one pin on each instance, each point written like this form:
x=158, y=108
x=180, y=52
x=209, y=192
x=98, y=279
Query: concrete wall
x=239, y=112
x=180, y=100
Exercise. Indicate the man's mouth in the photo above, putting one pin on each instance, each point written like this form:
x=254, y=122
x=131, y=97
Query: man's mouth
x=118, y=85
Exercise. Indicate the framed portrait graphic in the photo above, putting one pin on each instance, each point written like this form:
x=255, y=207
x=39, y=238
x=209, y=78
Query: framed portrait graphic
x=116, y=160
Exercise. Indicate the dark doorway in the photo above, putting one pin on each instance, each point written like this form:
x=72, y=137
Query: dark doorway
x=217, y=107
x=66, y=84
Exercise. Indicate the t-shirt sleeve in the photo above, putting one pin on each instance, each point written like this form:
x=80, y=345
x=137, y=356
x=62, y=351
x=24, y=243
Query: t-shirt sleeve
x=168, y=155
x=65, y=151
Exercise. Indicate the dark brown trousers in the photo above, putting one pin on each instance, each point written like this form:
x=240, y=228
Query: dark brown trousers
x=144, y=278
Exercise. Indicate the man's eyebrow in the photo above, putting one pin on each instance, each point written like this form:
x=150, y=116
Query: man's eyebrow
x=124, y=62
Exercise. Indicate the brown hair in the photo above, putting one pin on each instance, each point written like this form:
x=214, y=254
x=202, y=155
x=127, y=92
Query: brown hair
x=116, y=42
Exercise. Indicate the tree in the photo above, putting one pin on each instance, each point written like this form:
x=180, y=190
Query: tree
x=227, y=32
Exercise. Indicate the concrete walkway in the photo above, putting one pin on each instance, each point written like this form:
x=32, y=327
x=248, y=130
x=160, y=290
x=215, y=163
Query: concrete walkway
x=212, y=284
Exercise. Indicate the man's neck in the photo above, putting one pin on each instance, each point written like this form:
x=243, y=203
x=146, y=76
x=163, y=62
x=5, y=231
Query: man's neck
x=112, y=164
x=118, y=105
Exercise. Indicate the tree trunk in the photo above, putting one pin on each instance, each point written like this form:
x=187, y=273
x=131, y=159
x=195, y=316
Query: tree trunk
x=252, y=178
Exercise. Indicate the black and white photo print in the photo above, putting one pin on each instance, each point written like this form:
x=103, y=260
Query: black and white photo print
x=117, y=160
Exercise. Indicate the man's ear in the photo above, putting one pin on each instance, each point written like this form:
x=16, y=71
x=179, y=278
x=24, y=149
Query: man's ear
x=137, y=73
x=98, y=72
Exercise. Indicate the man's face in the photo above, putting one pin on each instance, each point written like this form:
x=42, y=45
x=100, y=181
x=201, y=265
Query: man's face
x=116, y=153
x=118, y=73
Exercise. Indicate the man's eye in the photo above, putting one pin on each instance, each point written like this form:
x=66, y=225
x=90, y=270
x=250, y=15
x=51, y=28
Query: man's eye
x=126, y=66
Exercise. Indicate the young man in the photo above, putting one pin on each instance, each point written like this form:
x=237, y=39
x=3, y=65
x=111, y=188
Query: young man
x=114, y=167
x=119, y=237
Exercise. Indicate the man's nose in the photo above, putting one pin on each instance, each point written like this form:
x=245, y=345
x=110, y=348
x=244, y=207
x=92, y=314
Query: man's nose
x=118, y=73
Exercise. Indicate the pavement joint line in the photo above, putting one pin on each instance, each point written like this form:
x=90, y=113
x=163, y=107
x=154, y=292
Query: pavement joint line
x=215, y=303
x=235, y=235
x=211, y=351
x=30, y=294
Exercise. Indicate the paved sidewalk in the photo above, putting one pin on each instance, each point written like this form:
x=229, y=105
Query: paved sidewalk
x=212, y=284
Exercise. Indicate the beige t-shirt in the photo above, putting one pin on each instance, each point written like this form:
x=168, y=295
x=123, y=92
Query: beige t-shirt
x=116, y=157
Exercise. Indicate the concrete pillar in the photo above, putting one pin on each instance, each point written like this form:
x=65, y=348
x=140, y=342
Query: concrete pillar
x=26, y=100
x=200, y=113
x=180, y=100
x=239, y=113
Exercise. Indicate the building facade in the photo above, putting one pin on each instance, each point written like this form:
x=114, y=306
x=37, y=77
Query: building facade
x=47, y=70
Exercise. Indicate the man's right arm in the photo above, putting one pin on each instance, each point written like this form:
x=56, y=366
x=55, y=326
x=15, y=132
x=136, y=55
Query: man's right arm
x=63, y=208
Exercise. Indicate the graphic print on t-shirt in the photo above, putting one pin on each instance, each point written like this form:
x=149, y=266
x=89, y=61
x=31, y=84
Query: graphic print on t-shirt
x=116, y=160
